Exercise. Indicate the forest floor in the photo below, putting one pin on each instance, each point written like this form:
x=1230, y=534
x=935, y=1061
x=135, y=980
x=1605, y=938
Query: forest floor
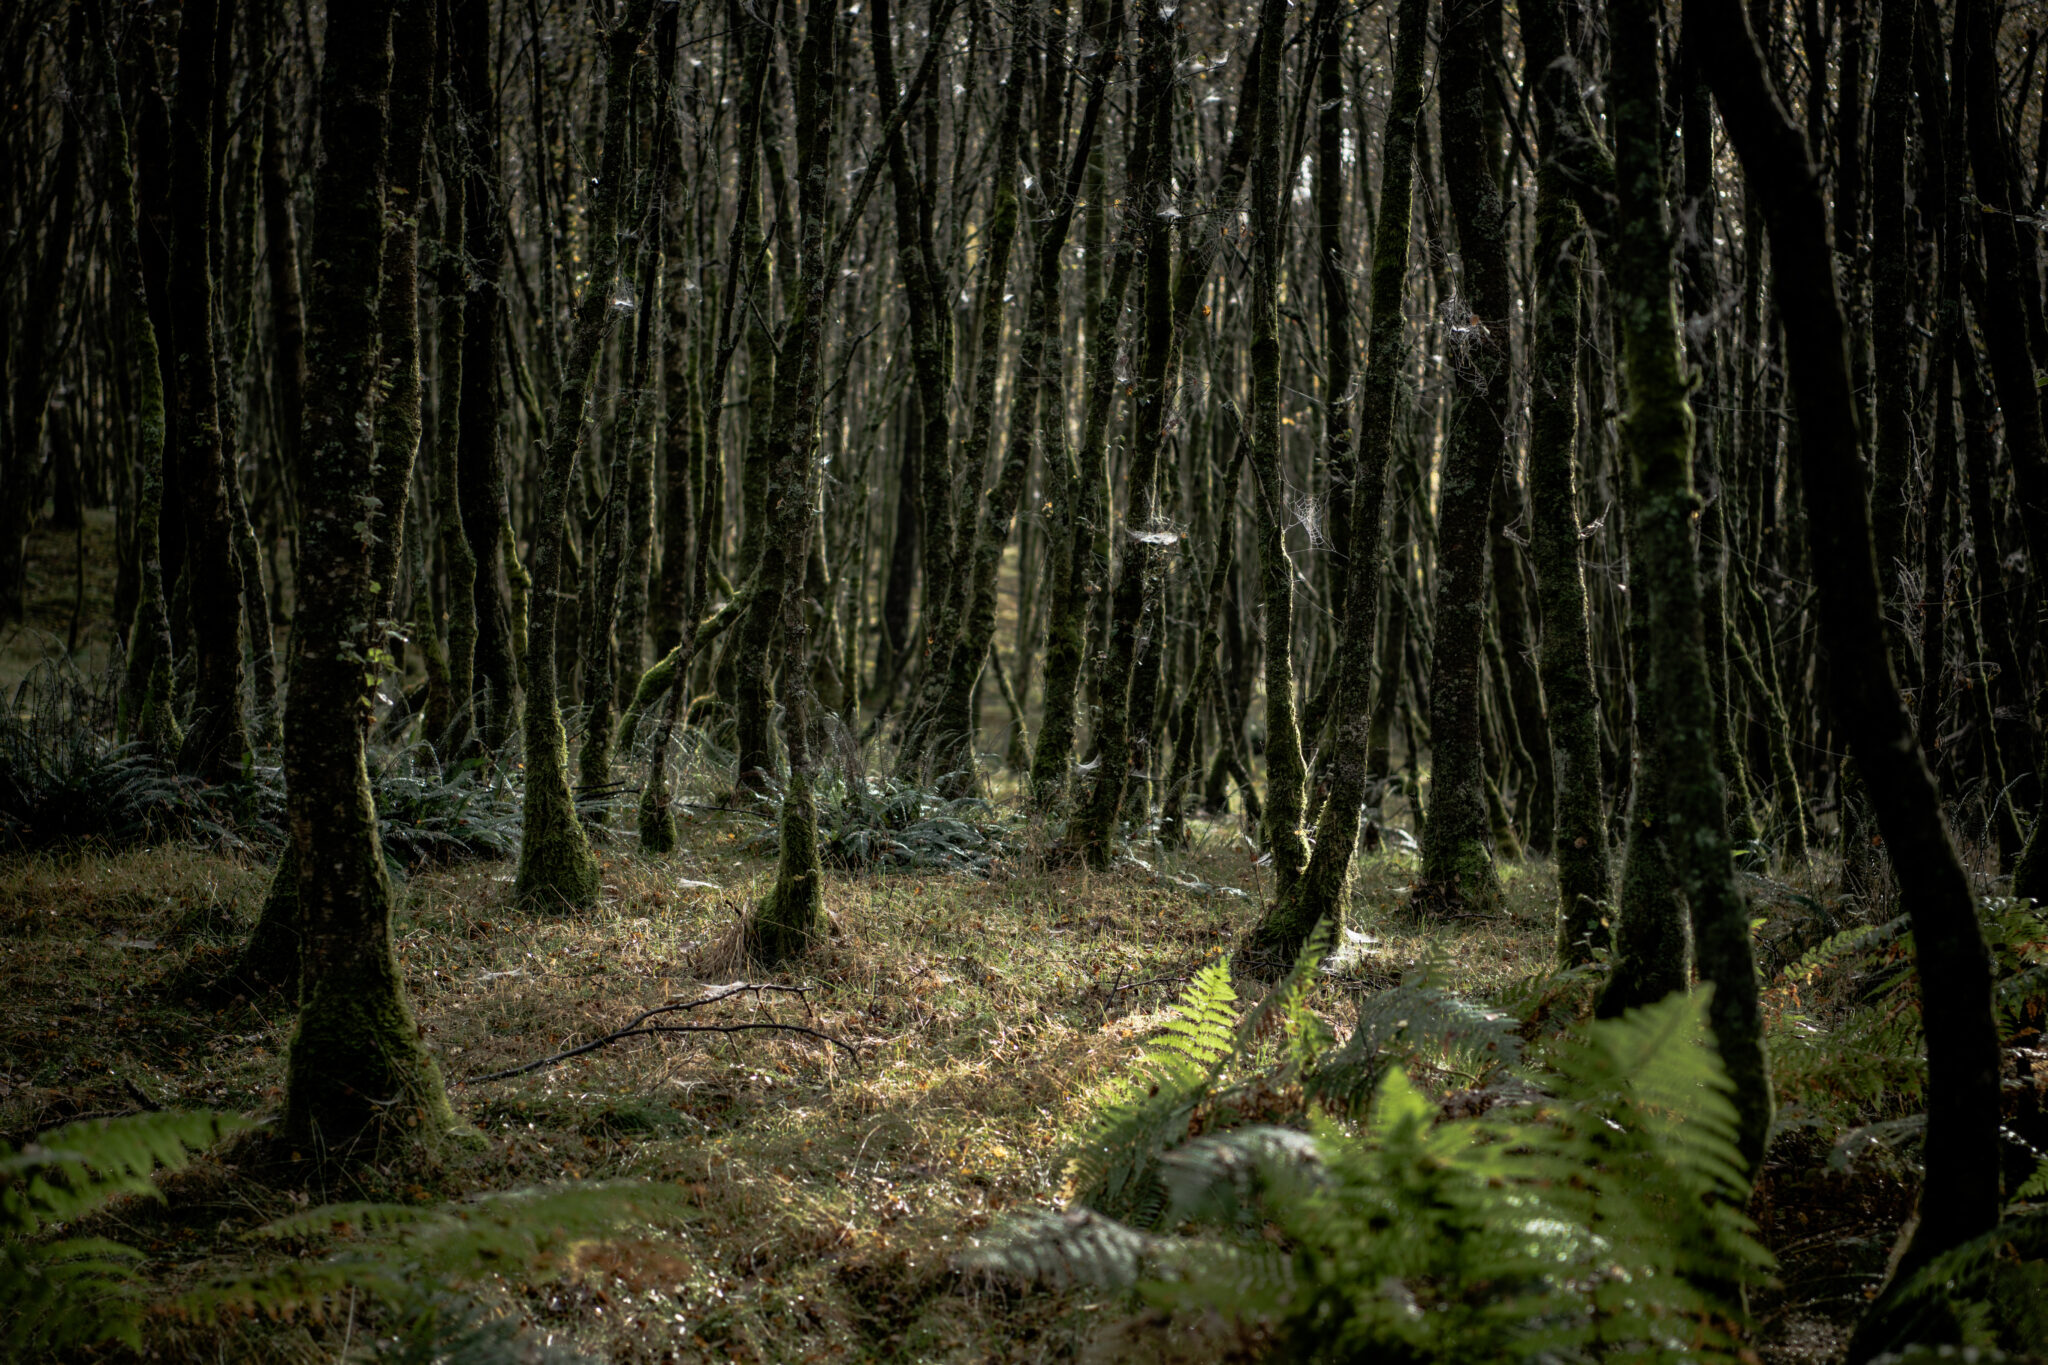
x=822, y=1201
x=817, y=1205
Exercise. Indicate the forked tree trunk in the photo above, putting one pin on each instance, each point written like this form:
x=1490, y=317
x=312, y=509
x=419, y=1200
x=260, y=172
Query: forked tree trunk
x=1293, y=918
x=556, y=867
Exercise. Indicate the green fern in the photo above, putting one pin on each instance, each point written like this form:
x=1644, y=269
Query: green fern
x=1113, y=1167
x=74, y=1291
x=1988, y=1294
x=398, y=1253
x=1604, y=1221
x=1415, y=1022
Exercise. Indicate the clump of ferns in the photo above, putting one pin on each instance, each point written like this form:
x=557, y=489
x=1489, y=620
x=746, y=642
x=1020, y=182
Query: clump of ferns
x=431, y=814
x=1844, y=1018
x=1598, y=1210
x=883, y=824
x=64, y=781
x=1211, y=1068
x=61, y=1291
x=1979, y=1301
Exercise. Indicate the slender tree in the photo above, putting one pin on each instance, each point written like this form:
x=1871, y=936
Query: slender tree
x=1959, y=1197
x=1457, y=865
x=1657, y=437
x=556, y=866
x=1279, y=937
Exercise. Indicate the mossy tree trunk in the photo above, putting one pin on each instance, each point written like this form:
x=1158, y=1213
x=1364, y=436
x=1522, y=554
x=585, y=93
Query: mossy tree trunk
x=787, y=920
x=1187, y=729
x=1584, y=881
x=1960, y=1195
x=398, y=352
x=357, y=1072
x=1037, y=369
x=611, y=638
x=1457, y=863
x=934, y=742
x=1286, y=770
x=556, y=866
x=458, y=559
x=1319, y=895
x=1657, y=436
x=1093, y=829
x=480, y=458
x=1073, y=526
x=944, y=728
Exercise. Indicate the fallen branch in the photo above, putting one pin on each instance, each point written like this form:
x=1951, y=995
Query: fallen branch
x=640, y=1028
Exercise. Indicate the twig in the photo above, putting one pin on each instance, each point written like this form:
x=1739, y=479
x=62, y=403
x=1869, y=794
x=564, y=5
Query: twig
x=640, y=1028
x=1171, y=980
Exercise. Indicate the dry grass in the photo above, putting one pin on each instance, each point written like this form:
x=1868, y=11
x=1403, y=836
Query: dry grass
x=824, y=1200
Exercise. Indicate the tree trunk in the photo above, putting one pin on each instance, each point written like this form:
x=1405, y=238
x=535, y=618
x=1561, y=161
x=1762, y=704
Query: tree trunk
x=556, y=867
x=1286, y=770
x=357, y=1071
x=215, y=740
x=479, y=460
x=1457, y=866
x=1657, y=434
x=1319, y=895
x=1117, y=731
x=1584, y=884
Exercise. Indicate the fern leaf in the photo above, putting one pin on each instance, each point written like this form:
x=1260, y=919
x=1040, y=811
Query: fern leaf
x=1060, y=1250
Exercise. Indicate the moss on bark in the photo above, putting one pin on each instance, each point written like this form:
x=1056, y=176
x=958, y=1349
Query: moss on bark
x=358, y=1079
x=1457, y=864
x=1319, y=895
x=556, y=867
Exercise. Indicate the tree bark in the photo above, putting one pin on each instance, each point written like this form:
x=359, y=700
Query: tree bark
x=357, y=1072
x=1457, y=865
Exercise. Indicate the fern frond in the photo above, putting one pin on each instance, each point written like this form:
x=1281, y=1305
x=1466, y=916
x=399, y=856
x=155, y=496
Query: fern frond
x=81, y=1290
x=1414, y=1019
x=1060, y=1250
x=403, y=1249
x=1112, y=1166
x=1990, y=1292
